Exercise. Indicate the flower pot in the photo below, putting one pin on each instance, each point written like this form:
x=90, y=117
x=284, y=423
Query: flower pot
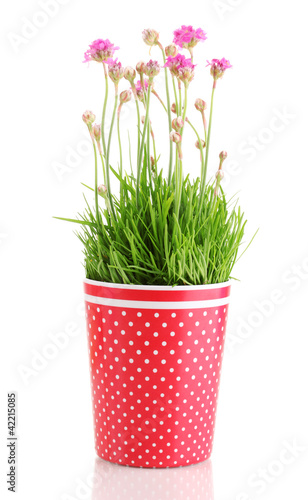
x=155, y=362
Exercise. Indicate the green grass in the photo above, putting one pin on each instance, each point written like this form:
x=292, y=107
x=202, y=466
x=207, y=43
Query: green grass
x=149, y=245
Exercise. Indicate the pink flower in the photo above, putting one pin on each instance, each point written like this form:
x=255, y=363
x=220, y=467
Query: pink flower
x=175, y=63
x=151, y=69
x=139, y=86
x=139, y=89
x=218, y=67
x=100, y=50
x=187, y=36
x=115, y=70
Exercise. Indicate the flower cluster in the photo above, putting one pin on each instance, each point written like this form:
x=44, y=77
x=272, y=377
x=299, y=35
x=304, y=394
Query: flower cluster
x=181, y=68
x=187, y=37
x=100, y=51
x=218, y=67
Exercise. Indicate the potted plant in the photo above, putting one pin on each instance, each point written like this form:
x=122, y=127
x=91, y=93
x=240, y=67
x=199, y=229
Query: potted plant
x=158, y=259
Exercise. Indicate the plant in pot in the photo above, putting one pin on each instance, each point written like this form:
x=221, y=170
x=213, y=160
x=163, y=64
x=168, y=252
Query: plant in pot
x=158, y=258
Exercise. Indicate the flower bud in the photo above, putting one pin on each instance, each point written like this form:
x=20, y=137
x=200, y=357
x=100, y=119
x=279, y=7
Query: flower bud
x=102, y=190
x=223, y=155
x=198, y=145
x=173, y=108
x=175, y=137
x=200, y=105
x=186, y=74
x=140, y=67
x=151, y=69
x=150, y=37
x=219, y=174
x=97, y=132
x=152, y=162
x=171, y=50
x=125, y=96
x=177, y=123
x=129, y=74
x=115, y=71
x=88, y=117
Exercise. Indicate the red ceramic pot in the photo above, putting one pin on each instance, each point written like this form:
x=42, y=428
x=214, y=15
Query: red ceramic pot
x=155, y=361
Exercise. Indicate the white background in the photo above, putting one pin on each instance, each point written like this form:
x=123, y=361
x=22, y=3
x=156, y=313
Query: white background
x=263, y=400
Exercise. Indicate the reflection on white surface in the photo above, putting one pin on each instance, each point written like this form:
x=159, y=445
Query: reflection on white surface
x=117, y=482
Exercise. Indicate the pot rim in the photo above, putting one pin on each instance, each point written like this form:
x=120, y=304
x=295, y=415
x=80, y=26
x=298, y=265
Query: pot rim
x=157, y=287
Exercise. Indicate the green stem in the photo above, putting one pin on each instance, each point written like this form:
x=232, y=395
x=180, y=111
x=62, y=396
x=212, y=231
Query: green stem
x=180, y=98
x=204, y=125
x=108, y=154
x=145, y=126
x=138, y=117
x=120, y=149
x=169, y=118
x=209, y=135
x=104, y=109
x=154, y=152
x=200, y=145
x=203, y=184
x=185, y=109
x=149, y=155
x=103, y=165
x=175, y=96
x=160, y=100
x=176, y=182
x=96, y=184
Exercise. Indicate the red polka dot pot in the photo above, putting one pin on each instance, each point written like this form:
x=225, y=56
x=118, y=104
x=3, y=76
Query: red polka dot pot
x=155, y=362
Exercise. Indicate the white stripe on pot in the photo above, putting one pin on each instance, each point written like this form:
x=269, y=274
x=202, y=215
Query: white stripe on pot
x=157, y=287
x=140, y=304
